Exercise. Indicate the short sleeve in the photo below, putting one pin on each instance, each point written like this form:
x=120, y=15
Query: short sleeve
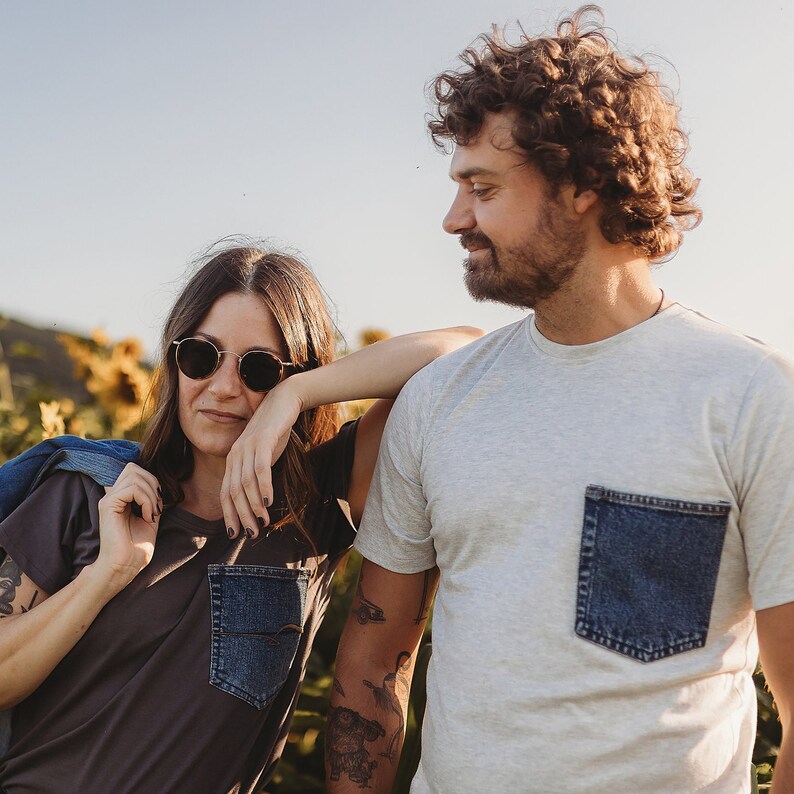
x=54, y=533
x=762, y=463
x=332, y=463
x=395, y=528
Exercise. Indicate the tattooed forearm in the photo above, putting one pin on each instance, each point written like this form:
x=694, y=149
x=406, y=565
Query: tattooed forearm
x=338, y=687
x=395, y=685
x=424, y=603
x=367, y=611
x=10, y=579
x=31, y=602
x=344, y=745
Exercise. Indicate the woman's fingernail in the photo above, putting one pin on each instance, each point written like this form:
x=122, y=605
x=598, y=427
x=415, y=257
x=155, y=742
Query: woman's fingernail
x=159, y=493
x=249, y=532
x=265, y=501
x=262, y=522
x=230, y=532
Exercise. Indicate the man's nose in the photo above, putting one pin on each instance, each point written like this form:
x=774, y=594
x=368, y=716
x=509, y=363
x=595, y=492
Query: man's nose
x=460, y=217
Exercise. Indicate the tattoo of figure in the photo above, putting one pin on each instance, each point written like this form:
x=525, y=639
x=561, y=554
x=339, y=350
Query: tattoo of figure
x=424, y=604
x=387, y=699
x=367, y=611
x=344, y=745
x=338, y=687
x=10, y=579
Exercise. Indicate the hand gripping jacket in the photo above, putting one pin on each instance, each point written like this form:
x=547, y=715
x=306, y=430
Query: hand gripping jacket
x=103, y=461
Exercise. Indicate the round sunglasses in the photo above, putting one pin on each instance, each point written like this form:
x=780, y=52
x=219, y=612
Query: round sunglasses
x=259, y=370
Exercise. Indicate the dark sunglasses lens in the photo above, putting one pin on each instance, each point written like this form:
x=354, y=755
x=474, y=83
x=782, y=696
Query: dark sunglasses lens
x=196, y=358
x=260, y=371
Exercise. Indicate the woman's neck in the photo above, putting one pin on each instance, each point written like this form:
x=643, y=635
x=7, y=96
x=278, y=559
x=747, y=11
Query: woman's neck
x=203, y=489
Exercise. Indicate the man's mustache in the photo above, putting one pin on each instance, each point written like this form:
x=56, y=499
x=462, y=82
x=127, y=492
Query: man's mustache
x=471, y=240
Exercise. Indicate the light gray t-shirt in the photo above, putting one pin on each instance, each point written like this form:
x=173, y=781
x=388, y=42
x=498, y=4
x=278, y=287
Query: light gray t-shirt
x=606, y=518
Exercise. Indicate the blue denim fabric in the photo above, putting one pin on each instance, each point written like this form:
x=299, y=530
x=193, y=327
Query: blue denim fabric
x=257, y=622
x=647, y=572
x=103, y=461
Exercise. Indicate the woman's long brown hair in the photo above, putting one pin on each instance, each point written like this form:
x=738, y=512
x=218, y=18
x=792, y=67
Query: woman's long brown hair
x=289, y=289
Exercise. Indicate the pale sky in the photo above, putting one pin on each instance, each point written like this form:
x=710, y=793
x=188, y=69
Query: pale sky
x=132, y=135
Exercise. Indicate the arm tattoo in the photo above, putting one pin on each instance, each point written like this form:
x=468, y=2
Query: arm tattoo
x=10, y=579
x=424, y=604
x=367, y=611
x=338, y=687
x=387, y=699
x=344, y=745
x=32, y=602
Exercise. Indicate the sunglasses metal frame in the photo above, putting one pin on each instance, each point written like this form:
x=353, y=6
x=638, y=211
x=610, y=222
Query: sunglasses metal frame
x=219, y=355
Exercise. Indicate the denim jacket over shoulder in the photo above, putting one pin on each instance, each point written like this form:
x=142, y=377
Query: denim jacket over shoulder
x=103, y=461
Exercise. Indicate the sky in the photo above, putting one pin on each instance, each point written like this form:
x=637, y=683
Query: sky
x=133, y=135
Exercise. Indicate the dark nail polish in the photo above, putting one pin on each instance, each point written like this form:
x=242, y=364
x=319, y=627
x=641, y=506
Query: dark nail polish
x=230, y=532
x=249, y=532
x=265, y=501
x=262, y=522
x=159, y=493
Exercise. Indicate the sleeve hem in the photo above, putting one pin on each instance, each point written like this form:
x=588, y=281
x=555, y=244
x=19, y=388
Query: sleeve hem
x=26, y=565
x=771, y=601
x=391, y=563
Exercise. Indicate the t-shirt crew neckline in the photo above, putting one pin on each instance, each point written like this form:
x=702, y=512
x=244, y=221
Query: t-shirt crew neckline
x=576, y=354
x=197, y=525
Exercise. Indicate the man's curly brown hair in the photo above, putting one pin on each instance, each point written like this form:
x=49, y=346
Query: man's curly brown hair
x=585, y=116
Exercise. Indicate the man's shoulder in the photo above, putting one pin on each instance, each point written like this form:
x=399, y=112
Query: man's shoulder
x=714, y=340
x=477, y=355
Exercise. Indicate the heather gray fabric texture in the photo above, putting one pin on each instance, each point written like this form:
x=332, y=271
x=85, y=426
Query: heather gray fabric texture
x=606, y=518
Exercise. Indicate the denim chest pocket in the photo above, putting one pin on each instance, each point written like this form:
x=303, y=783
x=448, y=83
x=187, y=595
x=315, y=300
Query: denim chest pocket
x=257, y=622
x=648, y=569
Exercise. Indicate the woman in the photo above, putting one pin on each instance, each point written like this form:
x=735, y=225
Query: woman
x=158, y=633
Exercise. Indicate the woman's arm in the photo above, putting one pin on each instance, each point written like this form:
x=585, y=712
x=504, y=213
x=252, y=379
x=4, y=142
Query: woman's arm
x=36, y=629
x=377, y=371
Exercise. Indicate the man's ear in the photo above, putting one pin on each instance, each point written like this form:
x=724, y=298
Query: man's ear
x=582, y=201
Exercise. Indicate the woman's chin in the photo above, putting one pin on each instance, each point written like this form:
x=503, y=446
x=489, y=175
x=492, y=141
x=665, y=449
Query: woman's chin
x=213, y=448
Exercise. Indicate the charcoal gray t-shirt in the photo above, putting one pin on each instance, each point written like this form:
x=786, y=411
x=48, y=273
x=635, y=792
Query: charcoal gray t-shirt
x=186, y=680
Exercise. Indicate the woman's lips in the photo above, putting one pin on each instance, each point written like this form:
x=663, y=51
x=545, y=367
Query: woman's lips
x=221, y=417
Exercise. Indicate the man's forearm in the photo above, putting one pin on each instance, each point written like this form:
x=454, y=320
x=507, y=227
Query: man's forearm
x=366, y=724
x=374, y=668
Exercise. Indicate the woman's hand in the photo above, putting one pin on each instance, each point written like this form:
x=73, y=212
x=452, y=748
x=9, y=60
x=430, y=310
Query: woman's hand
x=247, y=488
x=377, y=371
x=129, y=515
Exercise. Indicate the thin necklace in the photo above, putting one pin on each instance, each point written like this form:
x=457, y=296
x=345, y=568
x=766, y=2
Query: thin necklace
x=659, y=307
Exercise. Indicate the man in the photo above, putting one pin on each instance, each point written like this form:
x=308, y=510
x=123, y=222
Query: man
x=603, y=492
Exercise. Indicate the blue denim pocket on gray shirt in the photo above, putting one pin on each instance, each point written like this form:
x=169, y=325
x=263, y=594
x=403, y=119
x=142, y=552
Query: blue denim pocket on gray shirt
x=257, y=622
x=647, y=572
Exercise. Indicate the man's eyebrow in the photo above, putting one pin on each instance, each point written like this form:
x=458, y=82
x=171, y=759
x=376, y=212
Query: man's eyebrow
x=468, y=173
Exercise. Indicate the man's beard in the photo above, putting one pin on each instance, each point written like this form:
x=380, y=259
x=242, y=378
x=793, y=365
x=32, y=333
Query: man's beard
x=526, y=274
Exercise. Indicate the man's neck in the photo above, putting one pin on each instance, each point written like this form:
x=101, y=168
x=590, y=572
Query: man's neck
x=600, y=301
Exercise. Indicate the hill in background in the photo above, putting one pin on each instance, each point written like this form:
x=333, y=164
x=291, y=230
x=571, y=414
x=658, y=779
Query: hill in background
x=34, y=364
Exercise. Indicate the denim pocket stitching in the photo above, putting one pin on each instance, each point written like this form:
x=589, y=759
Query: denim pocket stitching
x=225, y=666
x=602, y=628
x=599, y=492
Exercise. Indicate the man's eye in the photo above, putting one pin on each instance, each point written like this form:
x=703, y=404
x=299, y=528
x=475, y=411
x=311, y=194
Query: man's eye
x=480, y=190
